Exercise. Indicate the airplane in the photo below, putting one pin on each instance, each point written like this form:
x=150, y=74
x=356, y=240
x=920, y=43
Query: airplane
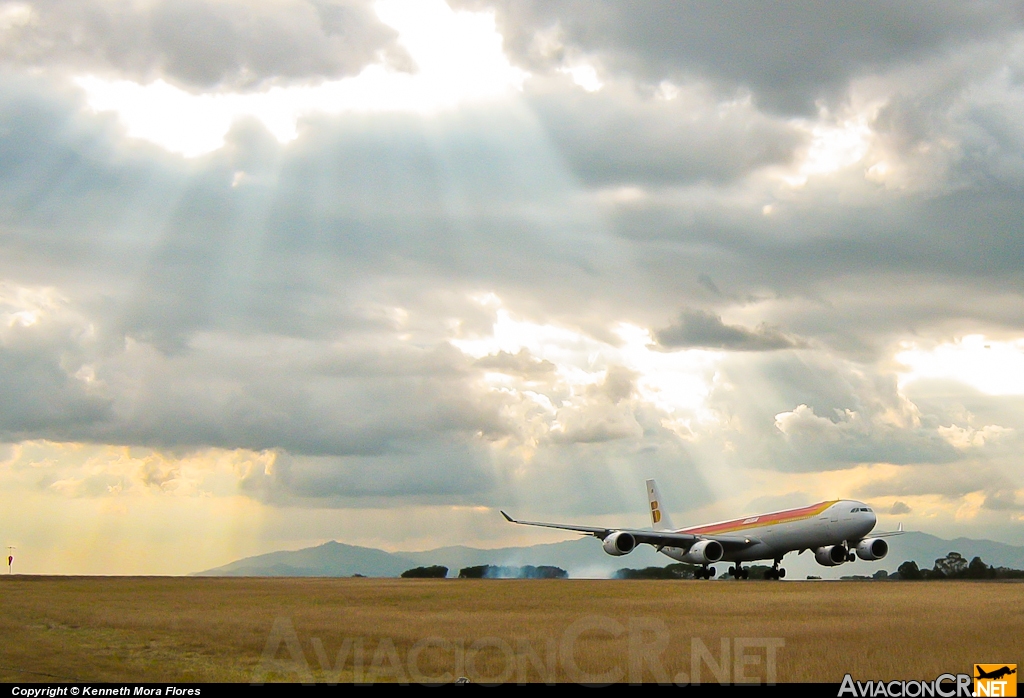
x=997, y=674
x=835, y=530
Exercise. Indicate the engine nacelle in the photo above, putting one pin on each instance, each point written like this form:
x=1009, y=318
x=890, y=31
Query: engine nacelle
x=831, y=555
x=619, y=543
x=704, y=552
x=872, y=549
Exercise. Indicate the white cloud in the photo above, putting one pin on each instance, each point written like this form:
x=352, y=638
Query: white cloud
x=678, y=383
x=991, y=366
x=14, y=15
x=968, y=437
x=584, y=75
x=458, y=59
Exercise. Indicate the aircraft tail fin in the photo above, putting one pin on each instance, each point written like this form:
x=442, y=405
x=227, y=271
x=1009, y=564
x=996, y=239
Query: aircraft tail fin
x=660, y=520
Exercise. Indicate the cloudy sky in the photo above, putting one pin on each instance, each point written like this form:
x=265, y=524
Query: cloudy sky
x=274, y=273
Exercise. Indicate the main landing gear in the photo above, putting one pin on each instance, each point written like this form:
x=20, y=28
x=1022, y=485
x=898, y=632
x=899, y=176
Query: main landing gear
x=775, y=572
x=705, y=573
x=738, y=572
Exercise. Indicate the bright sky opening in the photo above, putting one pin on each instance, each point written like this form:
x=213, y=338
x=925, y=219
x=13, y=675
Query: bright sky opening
x=458, y=57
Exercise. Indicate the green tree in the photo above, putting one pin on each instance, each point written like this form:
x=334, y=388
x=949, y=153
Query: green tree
x=951, y=567
x=909, y=570
x=979, y=570
x=478, y=572
x=542, y=572
x=432, y=572
x=678, y=570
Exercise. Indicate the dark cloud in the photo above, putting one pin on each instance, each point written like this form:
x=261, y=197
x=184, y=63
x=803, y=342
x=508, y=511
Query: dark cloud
x=306, y=305
x=521, y=363
x=899, y=508
x=951, y=480
x=606, y=477
x=829, y=269
x=594, y=424
x=619, y=384
x=698, y=328
x=254, y=312
x=788, y=54
x=812, y=411
x=200, y=43
x=621, y=136
x=40, y=389
x=426, y=469
x=1003, y=500
x=851, y=438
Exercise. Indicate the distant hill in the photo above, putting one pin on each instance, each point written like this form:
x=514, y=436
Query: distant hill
x=328, y=560
x=925, y=549
x=583, y=558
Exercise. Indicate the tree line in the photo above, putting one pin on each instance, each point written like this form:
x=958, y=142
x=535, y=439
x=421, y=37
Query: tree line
x=952, y=566
x=489, y=572
x=956, y=566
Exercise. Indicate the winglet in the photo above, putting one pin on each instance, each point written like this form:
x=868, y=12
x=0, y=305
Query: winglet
x=507, y=517
x=900, y=527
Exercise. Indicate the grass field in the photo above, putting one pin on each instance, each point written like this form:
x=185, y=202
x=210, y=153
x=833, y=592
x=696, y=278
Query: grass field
x=235, y=629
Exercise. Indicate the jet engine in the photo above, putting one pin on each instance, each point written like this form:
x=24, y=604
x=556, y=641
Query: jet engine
x=704, y=552
x=830, y=555
x=619, y=543
x=872, y=549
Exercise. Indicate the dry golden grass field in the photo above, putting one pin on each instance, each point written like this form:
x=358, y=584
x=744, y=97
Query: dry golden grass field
x=238, y=629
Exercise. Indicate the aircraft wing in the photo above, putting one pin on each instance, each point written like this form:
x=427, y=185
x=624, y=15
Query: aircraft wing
x=732, y=543
x=658, y=539
x=886, y=534
x=662, y=539
x=601, y=533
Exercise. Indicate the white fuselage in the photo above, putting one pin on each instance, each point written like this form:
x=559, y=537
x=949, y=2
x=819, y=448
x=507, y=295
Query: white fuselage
x=777, y=533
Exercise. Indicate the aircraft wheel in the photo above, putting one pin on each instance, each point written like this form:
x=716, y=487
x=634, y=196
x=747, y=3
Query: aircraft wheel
x=710, y=573
x=851, y=557
x=746, y=574
x=782, y=573
x=733, y=572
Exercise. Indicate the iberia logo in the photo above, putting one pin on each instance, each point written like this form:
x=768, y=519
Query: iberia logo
x=995, y=680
